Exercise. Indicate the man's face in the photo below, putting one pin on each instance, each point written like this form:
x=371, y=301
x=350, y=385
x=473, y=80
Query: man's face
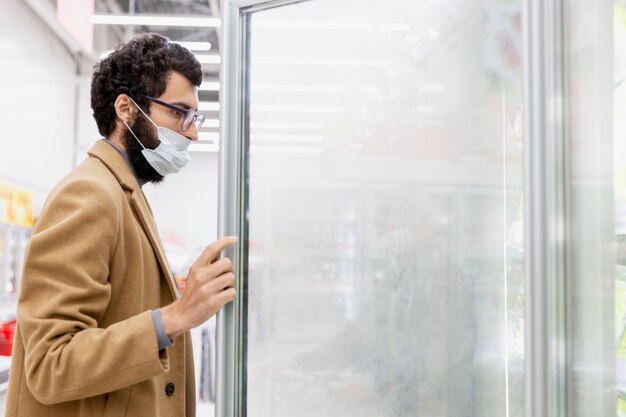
x=179, y=92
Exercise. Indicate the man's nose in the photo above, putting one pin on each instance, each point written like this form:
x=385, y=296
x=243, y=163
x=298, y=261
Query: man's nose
x=192, y=133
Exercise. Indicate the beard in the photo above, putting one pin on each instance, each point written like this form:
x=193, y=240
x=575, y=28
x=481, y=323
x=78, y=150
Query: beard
x=144, y=132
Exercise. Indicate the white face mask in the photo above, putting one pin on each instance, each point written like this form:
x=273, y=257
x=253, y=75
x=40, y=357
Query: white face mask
x=171, y=154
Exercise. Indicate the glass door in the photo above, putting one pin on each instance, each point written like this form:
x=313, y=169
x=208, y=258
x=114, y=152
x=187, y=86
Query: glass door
x=596, y=56
x=4, y=256
x=379, y=181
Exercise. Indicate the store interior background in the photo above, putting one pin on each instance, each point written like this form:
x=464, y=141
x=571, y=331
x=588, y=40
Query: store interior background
x=47, y=128
x=48, y=125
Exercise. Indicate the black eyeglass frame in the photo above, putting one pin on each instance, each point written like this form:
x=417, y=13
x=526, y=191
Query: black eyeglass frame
x=190, y=116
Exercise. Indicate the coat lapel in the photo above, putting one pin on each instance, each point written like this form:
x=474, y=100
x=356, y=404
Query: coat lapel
x=119, y=167
x=147, y=221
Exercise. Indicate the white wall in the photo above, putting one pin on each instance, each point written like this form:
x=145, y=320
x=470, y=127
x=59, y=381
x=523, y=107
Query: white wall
x=37, y=80
x=185, y=204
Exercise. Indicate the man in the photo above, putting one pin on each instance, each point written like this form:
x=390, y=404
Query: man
x=101, y=330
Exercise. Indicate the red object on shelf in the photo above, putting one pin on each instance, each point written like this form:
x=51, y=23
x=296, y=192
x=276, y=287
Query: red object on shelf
x=7, y=331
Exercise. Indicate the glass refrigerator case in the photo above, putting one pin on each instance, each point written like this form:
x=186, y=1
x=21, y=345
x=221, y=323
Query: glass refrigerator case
x=380, y=196
x=13, y=241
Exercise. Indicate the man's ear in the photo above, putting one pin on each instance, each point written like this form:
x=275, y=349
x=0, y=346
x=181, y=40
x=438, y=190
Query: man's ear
x=124, y=108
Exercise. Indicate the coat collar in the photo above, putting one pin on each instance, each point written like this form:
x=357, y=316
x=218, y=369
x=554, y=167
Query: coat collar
x=112, y=159
x=116, y=164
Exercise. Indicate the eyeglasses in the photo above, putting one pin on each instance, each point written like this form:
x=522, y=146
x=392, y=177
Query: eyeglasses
x=189, y=116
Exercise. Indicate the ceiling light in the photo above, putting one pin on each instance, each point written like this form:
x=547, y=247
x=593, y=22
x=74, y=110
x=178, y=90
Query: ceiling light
x=155, y=20
x=209, y=59
x=204, y=147
x=209, y=137
x=195, y=46
x=209, y=86
x=209, y=106
x=211, y=123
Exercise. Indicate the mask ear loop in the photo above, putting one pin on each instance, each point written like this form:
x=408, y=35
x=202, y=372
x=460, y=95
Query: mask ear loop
x=133, y=133
x=141, y=110
x=147, y=117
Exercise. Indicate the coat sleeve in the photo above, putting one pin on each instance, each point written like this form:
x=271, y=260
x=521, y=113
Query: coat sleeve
x=65, y=293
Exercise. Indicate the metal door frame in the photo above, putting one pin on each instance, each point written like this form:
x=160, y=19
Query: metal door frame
x=233, y=188
x=546, y=186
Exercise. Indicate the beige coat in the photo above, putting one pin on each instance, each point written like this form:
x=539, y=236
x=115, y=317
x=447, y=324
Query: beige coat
x=95, y=268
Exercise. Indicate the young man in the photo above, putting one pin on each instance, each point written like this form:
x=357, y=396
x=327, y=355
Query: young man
x=101, y=329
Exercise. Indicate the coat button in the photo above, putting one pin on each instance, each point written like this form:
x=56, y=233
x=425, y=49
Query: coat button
x=169, y=389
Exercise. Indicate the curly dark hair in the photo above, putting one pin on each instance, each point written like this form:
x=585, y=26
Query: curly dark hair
x=138, y=67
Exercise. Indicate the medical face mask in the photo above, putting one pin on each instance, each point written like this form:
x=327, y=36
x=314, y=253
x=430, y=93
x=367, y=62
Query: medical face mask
x=171, y=154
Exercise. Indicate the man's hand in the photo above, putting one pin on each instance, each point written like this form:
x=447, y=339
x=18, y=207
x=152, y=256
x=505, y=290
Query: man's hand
x=210, y=285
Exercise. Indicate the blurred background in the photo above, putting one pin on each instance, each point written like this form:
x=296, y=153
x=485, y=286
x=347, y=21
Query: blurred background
x=48, y=51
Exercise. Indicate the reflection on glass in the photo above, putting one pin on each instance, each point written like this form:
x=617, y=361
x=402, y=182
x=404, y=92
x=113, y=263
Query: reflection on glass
x=596, y=157
x=3, y=255
x=385, y=270
x=619, y=175
x=13, y=241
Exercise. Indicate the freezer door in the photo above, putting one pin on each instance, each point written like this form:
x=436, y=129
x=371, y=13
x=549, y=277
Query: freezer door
x=372, y=167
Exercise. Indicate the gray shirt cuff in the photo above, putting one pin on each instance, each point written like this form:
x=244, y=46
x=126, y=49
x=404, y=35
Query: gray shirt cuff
x=159, y=328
